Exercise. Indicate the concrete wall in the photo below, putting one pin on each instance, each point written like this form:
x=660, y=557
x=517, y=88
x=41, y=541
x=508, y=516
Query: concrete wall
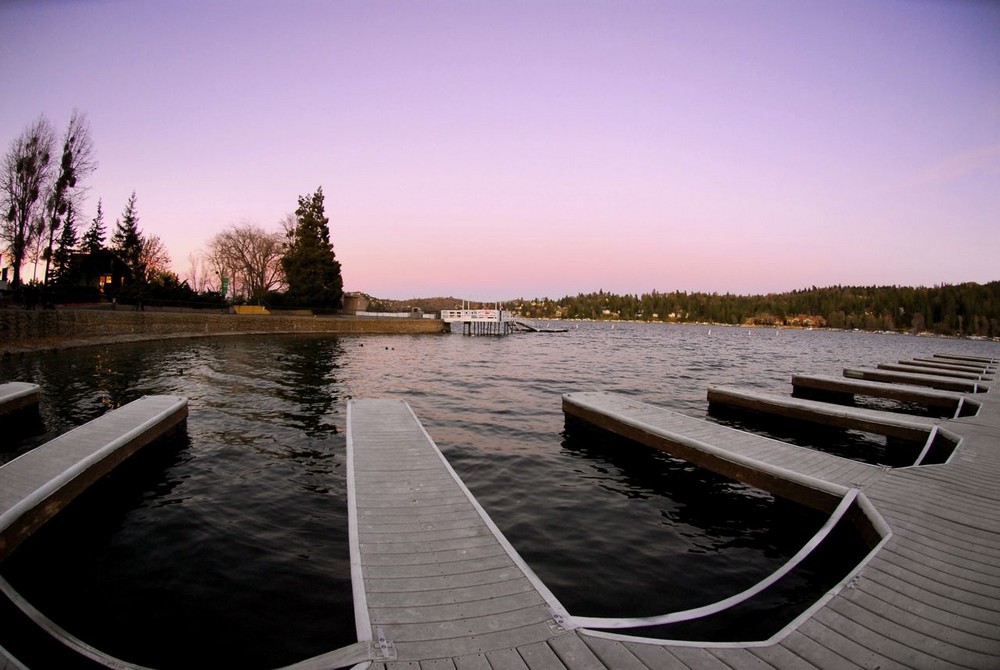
x=23, y=327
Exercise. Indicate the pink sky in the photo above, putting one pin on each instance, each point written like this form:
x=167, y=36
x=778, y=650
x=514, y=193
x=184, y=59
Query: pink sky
x=493, y=150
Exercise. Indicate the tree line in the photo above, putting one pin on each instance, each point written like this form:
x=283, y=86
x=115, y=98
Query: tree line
x=948, y=309
x=41, y=199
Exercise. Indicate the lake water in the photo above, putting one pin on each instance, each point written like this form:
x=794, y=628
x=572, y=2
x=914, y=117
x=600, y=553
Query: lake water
x=234, y=538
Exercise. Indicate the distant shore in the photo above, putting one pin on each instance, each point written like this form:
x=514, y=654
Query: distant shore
x=25, y=332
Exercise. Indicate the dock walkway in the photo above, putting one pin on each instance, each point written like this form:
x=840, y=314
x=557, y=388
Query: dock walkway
x=437, y=585
x=433, y=576
x=15, y=396
x=40, y=482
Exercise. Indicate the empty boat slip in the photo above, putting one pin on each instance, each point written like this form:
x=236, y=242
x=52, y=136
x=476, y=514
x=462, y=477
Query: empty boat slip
x=822, y=387
x=918, y=379
x=940, y=372
x=912, y=428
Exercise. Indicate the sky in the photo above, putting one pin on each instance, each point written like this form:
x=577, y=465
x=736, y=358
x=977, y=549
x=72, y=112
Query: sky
x=492, y=150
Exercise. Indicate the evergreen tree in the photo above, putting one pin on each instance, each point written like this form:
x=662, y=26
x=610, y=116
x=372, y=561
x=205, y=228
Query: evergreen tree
x=66, y=248
x=311, y=269
x=93, y=239
x=127, y=241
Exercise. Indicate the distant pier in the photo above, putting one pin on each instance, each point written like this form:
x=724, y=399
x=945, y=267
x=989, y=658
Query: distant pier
x=481, y=321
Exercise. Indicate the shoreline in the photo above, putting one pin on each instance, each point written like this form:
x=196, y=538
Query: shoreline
x=29, y=332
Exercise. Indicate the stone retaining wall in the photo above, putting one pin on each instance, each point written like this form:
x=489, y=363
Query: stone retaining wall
x=19, y=327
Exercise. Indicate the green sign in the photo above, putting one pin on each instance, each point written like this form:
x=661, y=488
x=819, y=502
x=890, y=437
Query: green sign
x=225, y=286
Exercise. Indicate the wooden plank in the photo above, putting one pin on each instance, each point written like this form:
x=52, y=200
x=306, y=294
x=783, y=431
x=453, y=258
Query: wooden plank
x=574, y=653
x=612, y=653
x=40, y=482
x=539, y=656
x=655, y=656
x=906, y=639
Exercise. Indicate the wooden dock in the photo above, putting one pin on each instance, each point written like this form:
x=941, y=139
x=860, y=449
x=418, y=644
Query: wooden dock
x=16, y=396
x=434, y=577
x=40, y=482
x=437, y=585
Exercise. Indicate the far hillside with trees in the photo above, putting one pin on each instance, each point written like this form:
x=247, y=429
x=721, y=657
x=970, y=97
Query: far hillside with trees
x=947, y=309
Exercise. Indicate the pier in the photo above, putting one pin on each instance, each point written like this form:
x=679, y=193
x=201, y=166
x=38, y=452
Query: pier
x=481, y=321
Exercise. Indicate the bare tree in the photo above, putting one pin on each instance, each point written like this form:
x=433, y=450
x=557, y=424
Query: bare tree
x=251, y=257
x=77, y=162
x=24, y=176
x=153, y=255
x=199, y=274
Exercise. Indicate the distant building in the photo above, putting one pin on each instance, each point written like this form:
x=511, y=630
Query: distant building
x=102, y=270
x=354, y=303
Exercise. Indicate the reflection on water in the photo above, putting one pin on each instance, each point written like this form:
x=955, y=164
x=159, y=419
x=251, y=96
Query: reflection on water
x=236, y=541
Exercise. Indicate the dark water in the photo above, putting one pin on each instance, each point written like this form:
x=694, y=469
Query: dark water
x=234, y=538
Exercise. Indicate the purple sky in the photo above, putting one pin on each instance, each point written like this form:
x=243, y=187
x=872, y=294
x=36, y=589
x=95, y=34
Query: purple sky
x=493, y=150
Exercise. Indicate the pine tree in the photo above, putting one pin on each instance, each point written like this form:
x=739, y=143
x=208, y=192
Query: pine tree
x=67, y=246
x=127, y=241
x=311, y=268
x=93, y=239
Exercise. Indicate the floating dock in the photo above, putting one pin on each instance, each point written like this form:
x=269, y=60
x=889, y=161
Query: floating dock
x=16, y=396
x=437, y=586
x=926, y=597
x=40, y=482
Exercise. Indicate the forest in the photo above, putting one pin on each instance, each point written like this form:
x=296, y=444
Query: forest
x=968, y=309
